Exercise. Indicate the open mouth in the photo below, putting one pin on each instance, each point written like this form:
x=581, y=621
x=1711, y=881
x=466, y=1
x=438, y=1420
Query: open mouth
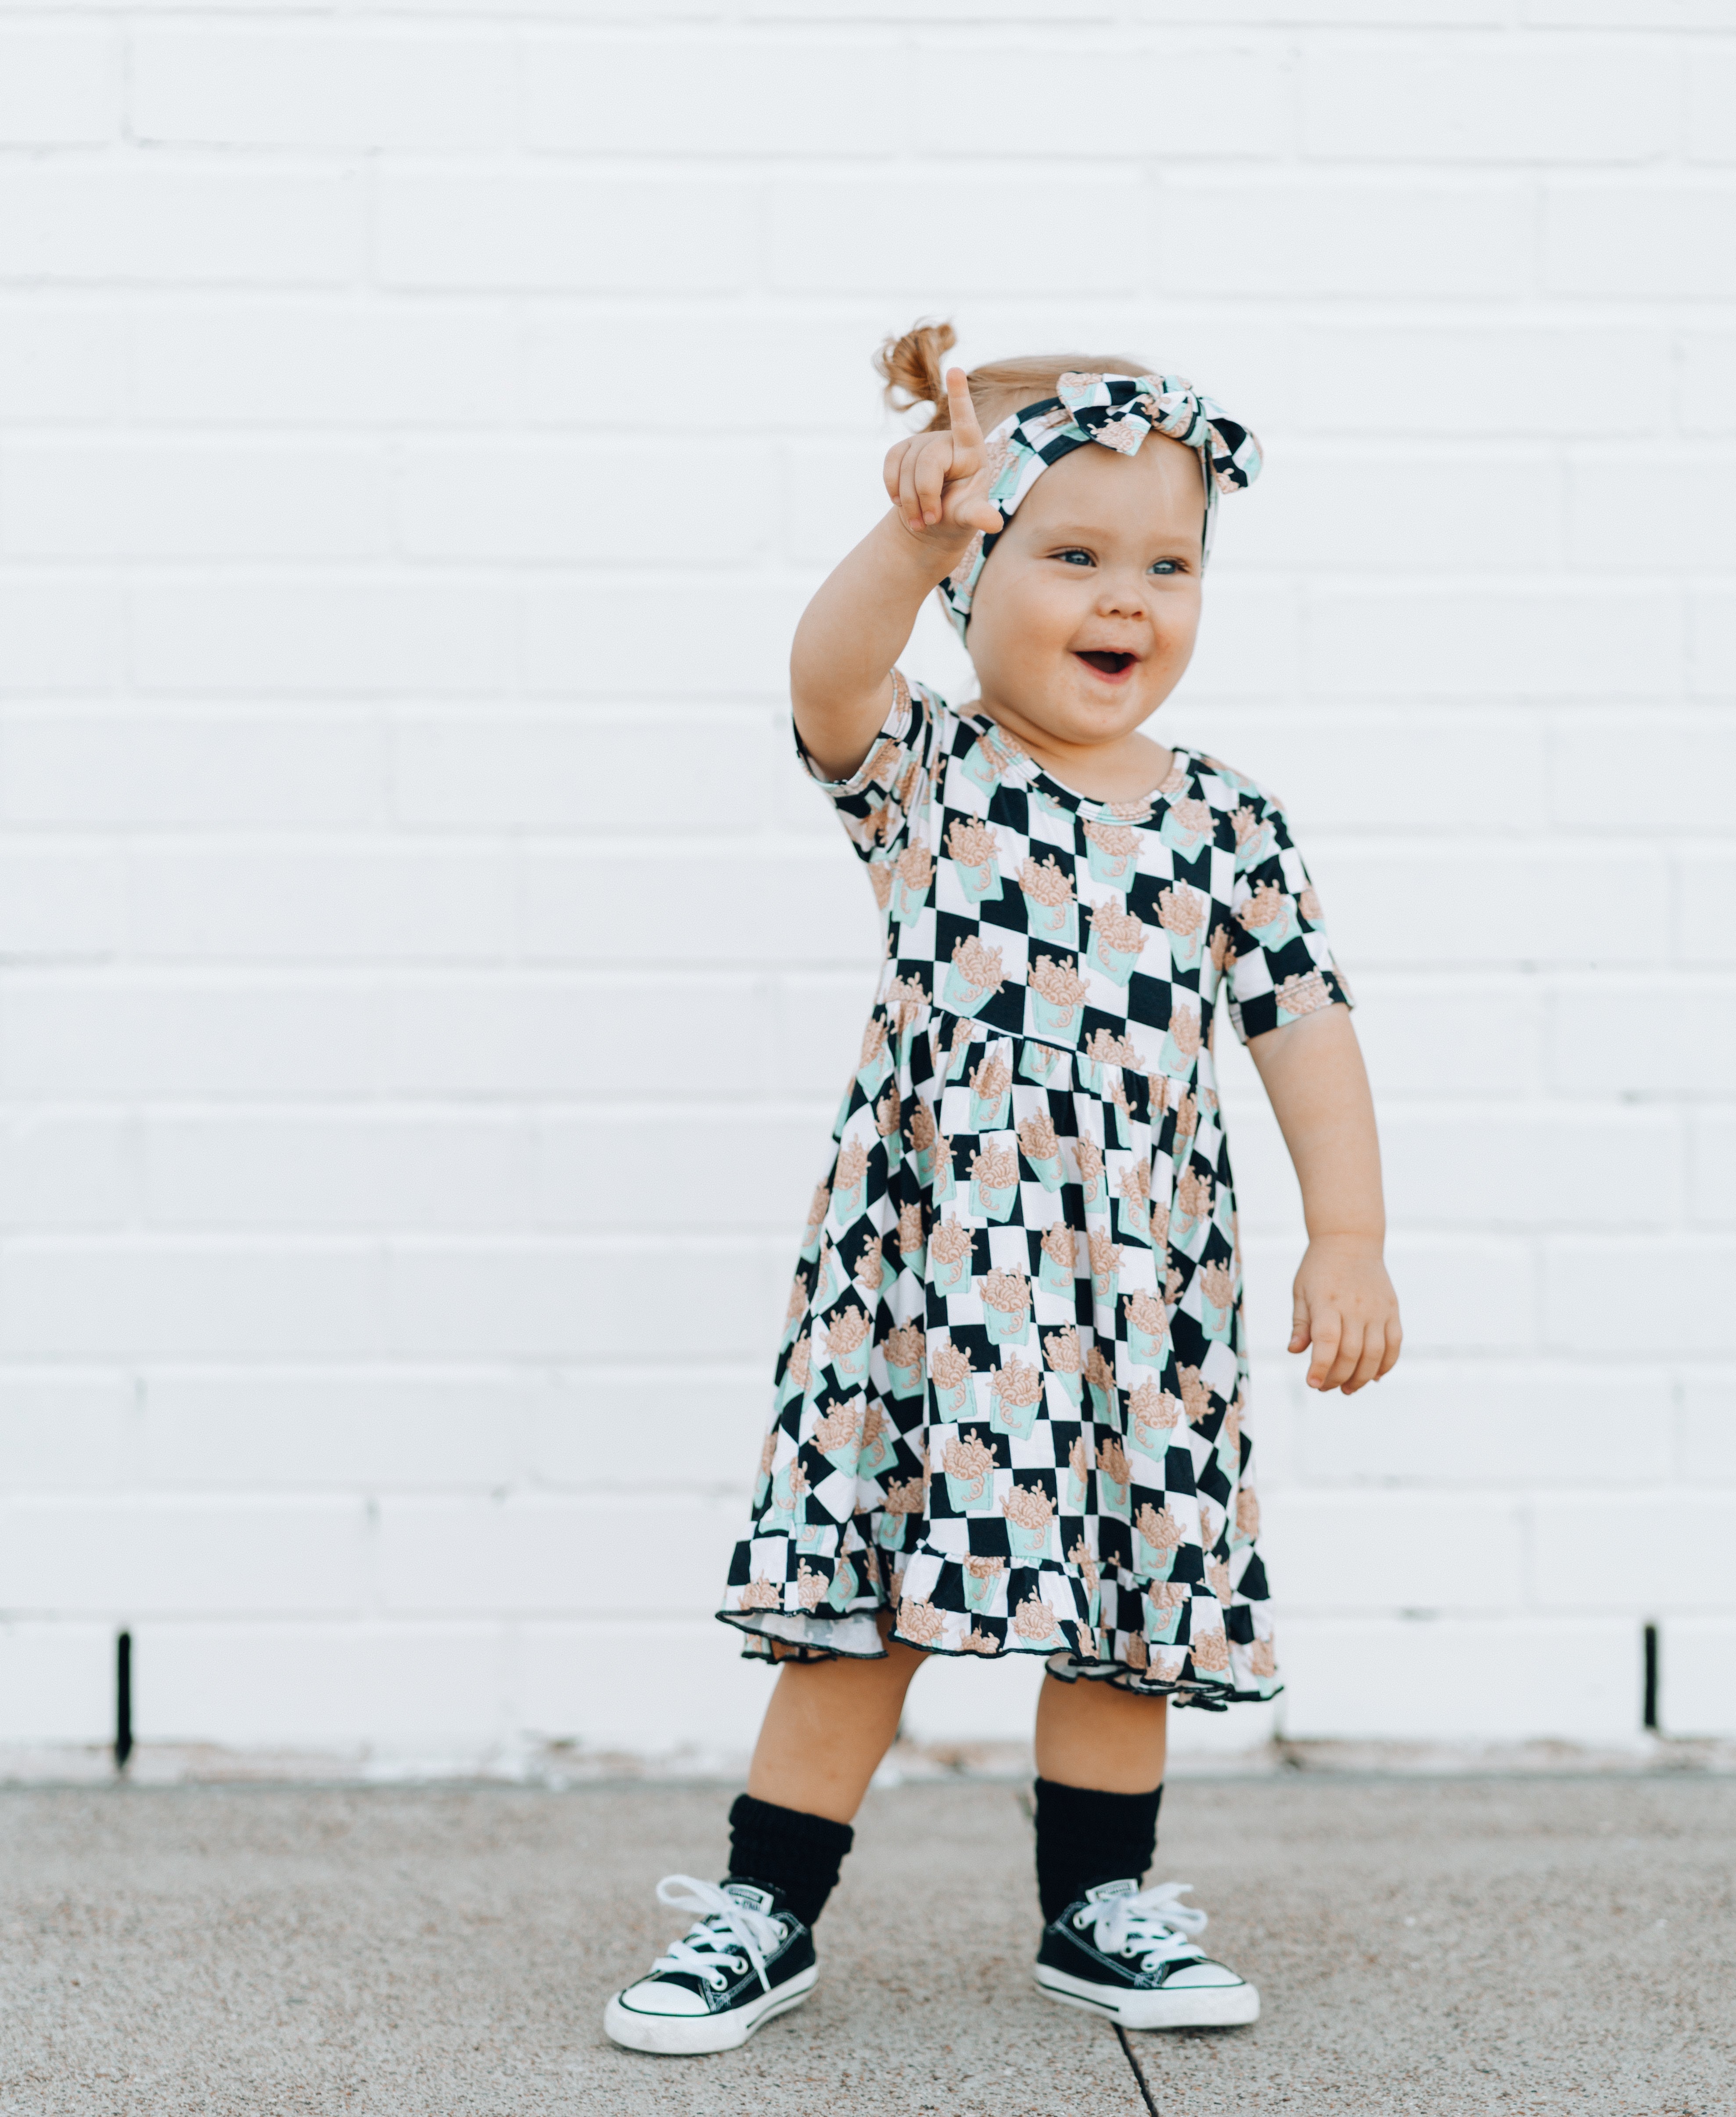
x=1106, y=663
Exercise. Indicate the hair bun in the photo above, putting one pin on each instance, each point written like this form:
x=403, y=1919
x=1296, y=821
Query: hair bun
x=912, y=367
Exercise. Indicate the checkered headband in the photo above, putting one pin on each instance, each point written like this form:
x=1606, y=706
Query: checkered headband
x=1117, y=410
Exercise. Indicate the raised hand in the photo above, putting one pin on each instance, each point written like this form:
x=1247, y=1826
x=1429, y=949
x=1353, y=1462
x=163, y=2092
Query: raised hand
x=938, y=482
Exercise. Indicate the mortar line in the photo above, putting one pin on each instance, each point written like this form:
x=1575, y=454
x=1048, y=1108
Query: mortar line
x=1139, y=2071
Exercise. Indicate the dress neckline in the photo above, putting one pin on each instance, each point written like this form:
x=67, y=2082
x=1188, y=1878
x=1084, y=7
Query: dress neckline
x=1139, y=810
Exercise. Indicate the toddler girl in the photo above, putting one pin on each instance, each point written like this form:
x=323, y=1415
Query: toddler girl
x=1009, y=1411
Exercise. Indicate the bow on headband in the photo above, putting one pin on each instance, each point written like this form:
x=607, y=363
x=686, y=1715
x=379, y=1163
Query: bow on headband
x=1117, y=410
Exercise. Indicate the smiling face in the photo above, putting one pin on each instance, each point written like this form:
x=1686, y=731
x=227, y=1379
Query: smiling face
x=1084, y=617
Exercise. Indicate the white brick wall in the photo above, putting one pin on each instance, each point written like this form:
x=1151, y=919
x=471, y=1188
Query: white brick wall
x=415, y=938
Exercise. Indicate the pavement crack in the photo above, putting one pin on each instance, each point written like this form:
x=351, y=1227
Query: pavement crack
x=1139, y=2071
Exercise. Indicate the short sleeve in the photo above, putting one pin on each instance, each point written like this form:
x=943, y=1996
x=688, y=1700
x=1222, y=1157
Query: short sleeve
x=1280, y=965
x=875, y=803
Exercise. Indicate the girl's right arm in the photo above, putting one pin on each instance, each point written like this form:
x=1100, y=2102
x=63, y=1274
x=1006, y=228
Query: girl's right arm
x=854, y=630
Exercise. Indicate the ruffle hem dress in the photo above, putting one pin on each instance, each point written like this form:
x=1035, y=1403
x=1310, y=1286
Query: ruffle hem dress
x=1010, y=1403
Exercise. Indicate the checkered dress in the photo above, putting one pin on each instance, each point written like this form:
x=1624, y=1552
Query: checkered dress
x=1010, y=1399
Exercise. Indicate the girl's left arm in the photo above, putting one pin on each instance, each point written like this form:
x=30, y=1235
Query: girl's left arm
x=1344, y=1303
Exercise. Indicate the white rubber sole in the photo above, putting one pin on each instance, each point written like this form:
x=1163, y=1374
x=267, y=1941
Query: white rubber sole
x=1189, y=2007
x=692, y=2036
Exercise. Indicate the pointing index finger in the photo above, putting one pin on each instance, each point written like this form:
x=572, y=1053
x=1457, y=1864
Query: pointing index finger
x=962, y=413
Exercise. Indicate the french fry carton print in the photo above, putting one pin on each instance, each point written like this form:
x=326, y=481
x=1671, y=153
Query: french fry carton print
x=1306, y=992
x=1055, y=1001
x=923, y=1136
x=1254, y=837
x=1155, y=1414
x=1040, y=1062
x=985, y=1583
x=969, y=1464
x=913, y=1249
x=1216, y=1303
x=1147, y=1329
x=875, y=1065
x=1136, y=1214
x=1117, y=942
x=878, y=1454
x=1041, y=1147
x=1181, y=913
x=949, y=1250
x=842, y=1591
x=1034, y=1622
x=1186, y=827
x=1030, y=1523
x=1016, y=1390
x=1113, y=852
x=973, y=851
x=848, y=1334
x=1182, y=1040
x=1165, y=1601
x=994, y=1182
x=975, y=973
x=1082, y=1556
x=1106, y=1269
x=991, y=1094
x=1114, y=1478
x=1100, y=1381
x=1160, y=1535
x=906, y=1354
x=1057, y=1260
x=1006, y=1306
x=1091, y=1180
x=986, y=762
x=816, y=1212
x=913, y=877
x=1270, y=917
x=1064, y=1360
x=950, y=1365
x=1191, y=1214
x=798, y=1372
x=903, y=1498
x=838, y=1436
x=1079, y=1469
x=847, y=1183
x=1051, y=909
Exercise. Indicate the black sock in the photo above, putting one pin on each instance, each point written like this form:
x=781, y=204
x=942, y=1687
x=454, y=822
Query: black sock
x=1085, y=1837
x=782, y=1848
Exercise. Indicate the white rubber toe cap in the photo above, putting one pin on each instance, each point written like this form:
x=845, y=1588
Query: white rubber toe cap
x=652, y=1995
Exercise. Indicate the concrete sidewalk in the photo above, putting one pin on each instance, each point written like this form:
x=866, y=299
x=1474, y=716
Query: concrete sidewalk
x=1430, y=1945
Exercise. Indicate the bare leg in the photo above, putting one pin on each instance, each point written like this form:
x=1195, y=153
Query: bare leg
x=1092, y=1735
x=828, y=1725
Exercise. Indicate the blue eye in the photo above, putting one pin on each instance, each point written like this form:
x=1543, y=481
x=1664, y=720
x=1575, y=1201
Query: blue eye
x=1076, y=557
x=1166, y=566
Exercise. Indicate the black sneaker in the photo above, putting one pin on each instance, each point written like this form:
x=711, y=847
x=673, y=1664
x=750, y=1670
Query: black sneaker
x=1124, y=1952
x=748, y=1958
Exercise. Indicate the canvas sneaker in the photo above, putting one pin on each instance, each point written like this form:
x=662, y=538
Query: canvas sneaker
x=748, y=1957
x=1128, y=1953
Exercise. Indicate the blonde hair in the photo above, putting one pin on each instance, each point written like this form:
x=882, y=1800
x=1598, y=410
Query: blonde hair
x=914, y=369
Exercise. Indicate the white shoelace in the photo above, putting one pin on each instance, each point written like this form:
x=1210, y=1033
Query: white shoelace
x=1153, y=1922
x=725, y=1924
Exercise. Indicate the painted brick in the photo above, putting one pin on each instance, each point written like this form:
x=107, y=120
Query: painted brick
x=56, y=1683
x=586, y=1683
x=60, y=363
x=69, y=500
x=1589, y=787
x=439, y=1690
x=80, y=771
x=1306, y=236
x=1647, y=1550
x=624, y=1167
x=59, y=84
x=62, y=1169
x=601, y=501
x=1708, y=1427
x=1696, y=1677
x=1711, y=635
x=585, y=1300
x=505, y=226
x=305, y=360
x=1458, y=1680
x=1438, y=1421
x=1672, y=516
x=1658, y=239
x=1594, y=1293
x=135, y=1557
x=544, y=1555
x=1704, y=880
x=1331, y=511
x=1544, y=642
x=828, y=235
x=62, y=637
x=1687, y=1053
x=1406, y=100
x=1566, y=1168
x=589, y=640
x=1339, y=1553
x=344, y=635
x=137, y=222
x=1706, y=387
x=65, y=1430
x=1711, y=94
x=271, y=86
